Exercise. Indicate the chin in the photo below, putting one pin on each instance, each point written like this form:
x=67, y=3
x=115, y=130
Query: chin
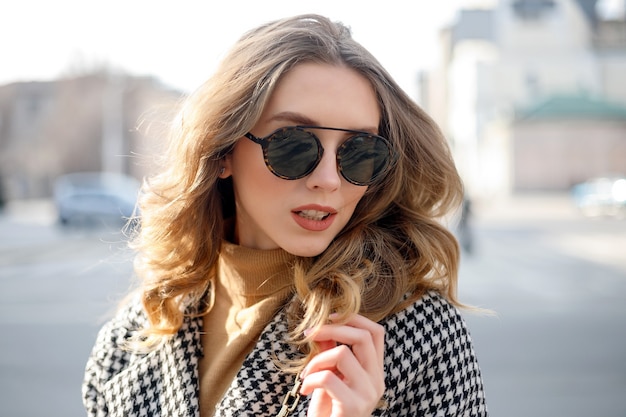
x=306, y=251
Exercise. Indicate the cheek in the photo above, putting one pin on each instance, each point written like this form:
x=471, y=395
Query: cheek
x=246, y=155
x=353, y=196
x=358, y=193
x=248, y=168
x=252, y=180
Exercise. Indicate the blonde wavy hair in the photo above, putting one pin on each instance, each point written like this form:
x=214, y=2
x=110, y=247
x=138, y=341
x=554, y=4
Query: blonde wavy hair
x=390, y=253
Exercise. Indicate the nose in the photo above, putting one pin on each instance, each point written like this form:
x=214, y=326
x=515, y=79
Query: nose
x=326, y=174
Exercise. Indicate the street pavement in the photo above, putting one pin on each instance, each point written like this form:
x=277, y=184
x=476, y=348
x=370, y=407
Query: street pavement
x=552, y=343
x=56, y=288
x=555, y=344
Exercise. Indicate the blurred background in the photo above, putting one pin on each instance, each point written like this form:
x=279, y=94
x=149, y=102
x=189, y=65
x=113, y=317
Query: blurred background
x=530, y=93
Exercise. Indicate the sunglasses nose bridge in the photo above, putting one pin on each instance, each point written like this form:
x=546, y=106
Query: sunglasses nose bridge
x=326, y=173
x=333, y=153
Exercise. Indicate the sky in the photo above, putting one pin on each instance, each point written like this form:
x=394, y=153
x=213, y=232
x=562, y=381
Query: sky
x=180, y=42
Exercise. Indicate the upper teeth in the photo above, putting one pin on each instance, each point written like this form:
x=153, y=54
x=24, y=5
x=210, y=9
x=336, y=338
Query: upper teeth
x=313, y=214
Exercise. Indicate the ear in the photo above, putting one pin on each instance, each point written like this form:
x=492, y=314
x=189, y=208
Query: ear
x=226, y=169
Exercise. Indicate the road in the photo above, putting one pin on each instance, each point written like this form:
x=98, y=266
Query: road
x=56, y=287
x=555, y=344
x=557, y=285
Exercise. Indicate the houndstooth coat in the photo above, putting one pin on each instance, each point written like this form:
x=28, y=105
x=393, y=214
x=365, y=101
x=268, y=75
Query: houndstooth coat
x=430, y=365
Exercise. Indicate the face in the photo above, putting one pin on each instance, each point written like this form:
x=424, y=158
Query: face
x=302, y=216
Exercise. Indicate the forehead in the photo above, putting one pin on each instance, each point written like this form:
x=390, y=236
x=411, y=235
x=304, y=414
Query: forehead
x=326, y=95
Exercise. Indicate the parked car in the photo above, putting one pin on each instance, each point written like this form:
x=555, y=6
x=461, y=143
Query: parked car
x=604, y=196
x=95, y=198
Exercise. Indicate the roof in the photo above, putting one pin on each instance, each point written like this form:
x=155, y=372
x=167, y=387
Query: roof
x=573, y=106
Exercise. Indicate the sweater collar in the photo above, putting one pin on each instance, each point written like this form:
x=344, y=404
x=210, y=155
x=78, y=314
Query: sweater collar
x=253, y=273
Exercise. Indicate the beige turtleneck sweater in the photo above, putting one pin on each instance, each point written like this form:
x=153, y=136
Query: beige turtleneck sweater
x=251, y=285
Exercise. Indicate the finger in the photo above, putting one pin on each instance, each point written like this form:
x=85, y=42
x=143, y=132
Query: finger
x=328, y=382
x=346, y=400
x=367, y=344
x=325, y=344
x=376, y=330
x=320, y=404
x=340, y=375
x=339, y=360
x=360, y=342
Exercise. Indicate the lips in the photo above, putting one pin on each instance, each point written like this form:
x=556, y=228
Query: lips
x=313, y=214
x=313, y=217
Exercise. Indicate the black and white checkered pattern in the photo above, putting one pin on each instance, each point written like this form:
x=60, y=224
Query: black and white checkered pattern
x=161, y=383
x=430, y=365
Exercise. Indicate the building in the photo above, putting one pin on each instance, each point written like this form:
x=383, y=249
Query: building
x=565, y=140
x=94, y=122
x=501, y=63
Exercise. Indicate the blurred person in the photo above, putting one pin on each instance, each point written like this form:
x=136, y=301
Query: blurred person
x=464, y=226
x=290, y=253
x=3, y=201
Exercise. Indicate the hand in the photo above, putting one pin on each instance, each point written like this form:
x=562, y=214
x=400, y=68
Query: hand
x=347, y=377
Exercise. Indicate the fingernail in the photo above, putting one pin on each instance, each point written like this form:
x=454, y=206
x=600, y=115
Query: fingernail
x=307, y=332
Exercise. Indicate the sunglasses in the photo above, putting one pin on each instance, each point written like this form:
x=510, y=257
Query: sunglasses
x=293, y=152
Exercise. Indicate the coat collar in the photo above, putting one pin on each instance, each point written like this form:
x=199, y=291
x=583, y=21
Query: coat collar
x=166, y=379
x=260, y=385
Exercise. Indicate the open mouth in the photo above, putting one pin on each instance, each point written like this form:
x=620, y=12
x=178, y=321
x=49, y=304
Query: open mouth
x=313, y=214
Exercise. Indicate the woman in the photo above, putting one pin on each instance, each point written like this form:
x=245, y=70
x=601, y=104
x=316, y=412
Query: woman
x=291, y=257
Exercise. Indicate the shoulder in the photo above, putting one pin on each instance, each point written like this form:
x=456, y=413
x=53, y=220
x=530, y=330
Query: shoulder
x=123, y=379
x=430, y=360
x=128, y=319
x=111, y=349
x=115, y=348
x=430, y=321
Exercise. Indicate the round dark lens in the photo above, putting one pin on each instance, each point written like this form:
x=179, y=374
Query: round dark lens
x=292, y=153
x=363, y=158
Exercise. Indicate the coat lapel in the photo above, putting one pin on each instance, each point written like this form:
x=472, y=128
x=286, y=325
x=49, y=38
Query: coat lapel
x=165, y=381
x=260, y=386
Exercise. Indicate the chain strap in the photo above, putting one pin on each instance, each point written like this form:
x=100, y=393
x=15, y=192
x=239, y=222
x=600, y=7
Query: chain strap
x=290, y=402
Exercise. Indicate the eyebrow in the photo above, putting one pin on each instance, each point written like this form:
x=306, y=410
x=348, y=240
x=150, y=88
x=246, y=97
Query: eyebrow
x=299, y=119
x=292, y=117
